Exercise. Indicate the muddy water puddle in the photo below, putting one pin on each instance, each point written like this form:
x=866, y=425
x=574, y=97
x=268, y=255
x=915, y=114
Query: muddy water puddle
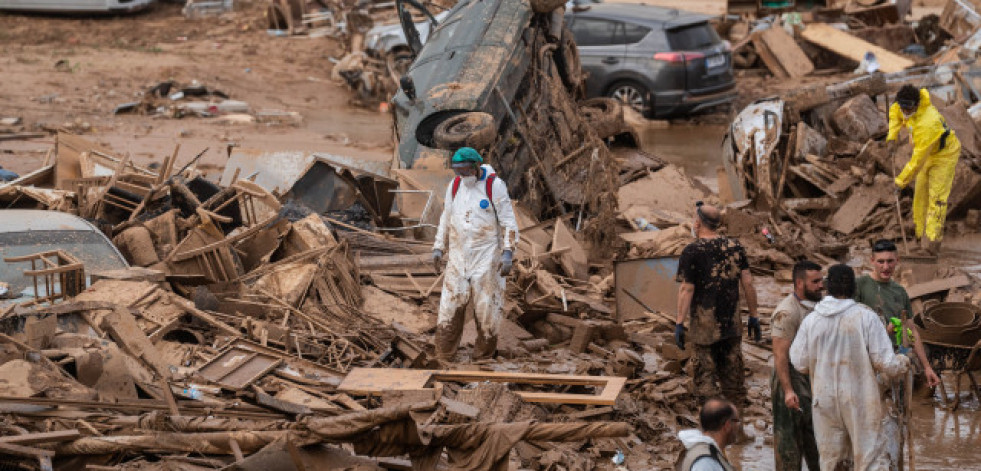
x=695, y=148
x=943, y=440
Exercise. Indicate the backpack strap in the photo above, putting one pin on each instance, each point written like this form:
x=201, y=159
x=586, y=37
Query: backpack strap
x=488, y=189
x=456, y=186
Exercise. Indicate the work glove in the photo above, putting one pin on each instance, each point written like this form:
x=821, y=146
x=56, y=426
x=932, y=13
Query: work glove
x=753, y=326
x=679, y=335
x=904, y=363
x=506, y=263
x=438, y=259
x=899, y=183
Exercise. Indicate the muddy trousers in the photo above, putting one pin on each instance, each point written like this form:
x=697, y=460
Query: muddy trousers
x=793, y=431
x=930, y=194
x=719, y=366
x=487, y=292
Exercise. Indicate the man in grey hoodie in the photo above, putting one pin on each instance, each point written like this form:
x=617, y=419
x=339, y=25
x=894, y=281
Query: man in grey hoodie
x=842, y=346
x=704, y=449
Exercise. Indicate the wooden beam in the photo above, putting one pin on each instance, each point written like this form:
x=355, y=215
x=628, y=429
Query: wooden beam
x=42, y=437
x=849, y=46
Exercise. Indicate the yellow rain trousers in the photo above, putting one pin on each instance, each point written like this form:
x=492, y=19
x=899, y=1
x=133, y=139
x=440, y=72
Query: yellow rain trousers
x=935, y=153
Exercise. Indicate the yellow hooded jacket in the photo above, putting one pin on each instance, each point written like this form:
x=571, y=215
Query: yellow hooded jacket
x=932, y=138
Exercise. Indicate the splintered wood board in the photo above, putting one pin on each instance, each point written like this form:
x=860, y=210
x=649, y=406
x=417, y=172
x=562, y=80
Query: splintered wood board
x=785, y=50
x=236, y=367
x=856, y=208
x=374, y=381
x=849, y=46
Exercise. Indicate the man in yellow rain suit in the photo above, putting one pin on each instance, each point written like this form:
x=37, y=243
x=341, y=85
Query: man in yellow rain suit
x=935, y=153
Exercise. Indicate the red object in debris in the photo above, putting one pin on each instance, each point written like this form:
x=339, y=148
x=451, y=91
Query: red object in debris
x=213, y=109
x=766, y=233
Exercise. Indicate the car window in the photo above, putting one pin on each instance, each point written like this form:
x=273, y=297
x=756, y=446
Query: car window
x=692, y=37
x=89, y=247
x=595, y=32
x=634, y=33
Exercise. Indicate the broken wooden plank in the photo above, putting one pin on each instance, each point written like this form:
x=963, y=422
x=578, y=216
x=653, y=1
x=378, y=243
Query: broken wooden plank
x=799, y=204
x=849, y=46
x=573, y=261
x=854, y=211
x=372, y=381
x=935, y=286
x=41, y=437
x=769, y=60
x=785, y=51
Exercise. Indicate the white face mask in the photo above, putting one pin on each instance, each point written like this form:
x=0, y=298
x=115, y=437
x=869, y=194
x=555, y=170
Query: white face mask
x=470, y=181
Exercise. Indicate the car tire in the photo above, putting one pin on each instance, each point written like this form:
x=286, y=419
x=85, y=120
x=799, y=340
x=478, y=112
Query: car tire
x=632, y=94
x=567, y=60
x=604, y=115
x=470, y=129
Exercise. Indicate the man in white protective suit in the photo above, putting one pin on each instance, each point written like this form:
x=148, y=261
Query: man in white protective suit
x=478, y=233
x=842, y=346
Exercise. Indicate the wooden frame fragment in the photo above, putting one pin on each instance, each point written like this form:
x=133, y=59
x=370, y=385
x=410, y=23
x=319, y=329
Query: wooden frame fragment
x=374, y=381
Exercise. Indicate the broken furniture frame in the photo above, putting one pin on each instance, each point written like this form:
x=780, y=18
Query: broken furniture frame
x=63, y=274
x=374, y=381
x=971, y=364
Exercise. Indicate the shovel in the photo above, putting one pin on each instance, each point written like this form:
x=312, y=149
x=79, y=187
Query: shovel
x=895, y=195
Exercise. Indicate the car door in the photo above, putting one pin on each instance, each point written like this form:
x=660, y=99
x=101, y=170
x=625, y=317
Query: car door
x=601, y=50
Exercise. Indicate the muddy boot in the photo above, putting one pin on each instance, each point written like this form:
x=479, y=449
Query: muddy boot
x=448, y=337
x=484, y=348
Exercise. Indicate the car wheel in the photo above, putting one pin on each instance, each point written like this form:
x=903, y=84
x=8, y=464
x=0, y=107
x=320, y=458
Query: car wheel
x=631, y=94
x=471, y=129
x=604, y=115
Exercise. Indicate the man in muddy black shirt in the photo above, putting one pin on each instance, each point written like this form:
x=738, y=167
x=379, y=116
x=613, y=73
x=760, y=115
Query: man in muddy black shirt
x=710, y=271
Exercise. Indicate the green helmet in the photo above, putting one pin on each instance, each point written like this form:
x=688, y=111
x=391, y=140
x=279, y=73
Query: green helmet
x=467, y=155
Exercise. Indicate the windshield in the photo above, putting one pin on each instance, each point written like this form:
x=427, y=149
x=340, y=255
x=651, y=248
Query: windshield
x=89, y=247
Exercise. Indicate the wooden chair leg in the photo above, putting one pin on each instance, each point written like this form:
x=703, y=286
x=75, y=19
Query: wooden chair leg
x=943, y=392
x=957, y=389
x=974, y=385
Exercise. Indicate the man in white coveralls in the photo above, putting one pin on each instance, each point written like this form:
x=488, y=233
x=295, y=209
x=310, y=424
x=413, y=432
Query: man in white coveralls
x=842, y=346
x=478, y=233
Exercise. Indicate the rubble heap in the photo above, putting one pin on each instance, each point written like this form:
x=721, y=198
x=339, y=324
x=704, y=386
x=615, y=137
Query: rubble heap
x=251, y=328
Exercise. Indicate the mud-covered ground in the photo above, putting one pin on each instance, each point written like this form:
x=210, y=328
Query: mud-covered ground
x=107, y=61
x=72, y=72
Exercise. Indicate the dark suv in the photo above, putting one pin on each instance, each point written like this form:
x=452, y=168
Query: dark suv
x=660, y=61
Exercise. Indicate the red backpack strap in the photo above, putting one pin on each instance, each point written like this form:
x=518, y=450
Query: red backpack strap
x=489, y=191
x=456, y=187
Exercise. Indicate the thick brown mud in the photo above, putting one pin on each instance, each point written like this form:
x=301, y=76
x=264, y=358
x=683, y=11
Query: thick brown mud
x=695, y=148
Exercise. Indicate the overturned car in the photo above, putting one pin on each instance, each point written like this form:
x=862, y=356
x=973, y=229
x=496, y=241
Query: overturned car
x=504, y=77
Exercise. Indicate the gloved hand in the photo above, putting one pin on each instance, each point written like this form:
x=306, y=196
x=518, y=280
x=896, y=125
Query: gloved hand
x=438, y=259
x=899, y=183
x=506, y=263
x=904, y=363
x=753, y=326
x=679, y=335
